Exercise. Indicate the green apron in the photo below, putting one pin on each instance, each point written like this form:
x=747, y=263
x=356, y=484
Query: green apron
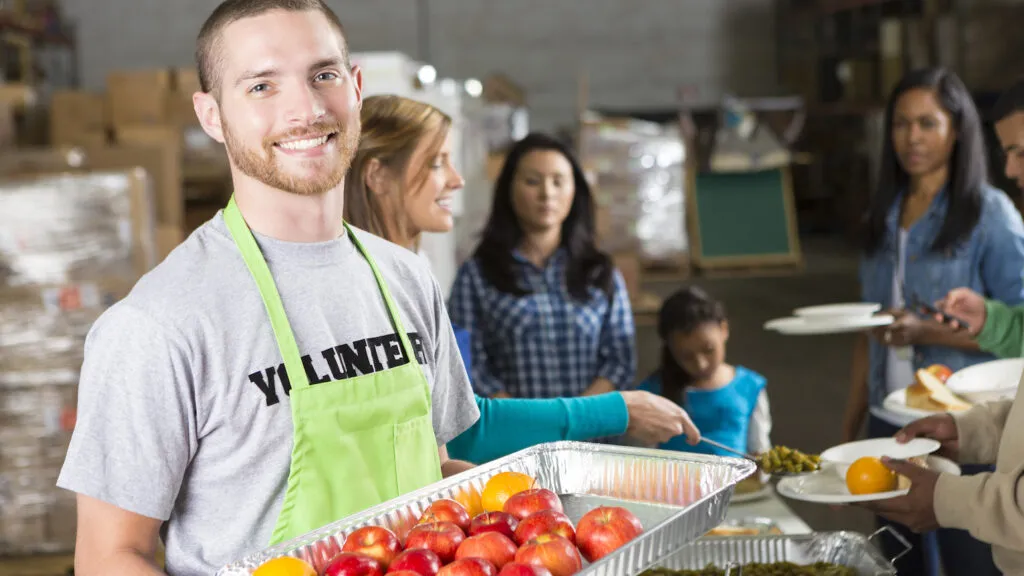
x=356, y=442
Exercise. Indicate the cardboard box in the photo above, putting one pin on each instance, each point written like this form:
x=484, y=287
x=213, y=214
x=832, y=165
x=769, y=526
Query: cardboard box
x=139, y=96
x=165, y=166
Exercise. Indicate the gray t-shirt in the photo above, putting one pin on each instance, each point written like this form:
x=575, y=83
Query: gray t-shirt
x=182, y=415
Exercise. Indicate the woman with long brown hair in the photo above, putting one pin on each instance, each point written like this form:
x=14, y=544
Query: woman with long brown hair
x=400, y=185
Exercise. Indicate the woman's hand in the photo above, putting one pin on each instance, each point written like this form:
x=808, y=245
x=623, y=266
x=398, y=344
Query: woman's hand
x=906, y=329
x=654, y=419
x=967, y=305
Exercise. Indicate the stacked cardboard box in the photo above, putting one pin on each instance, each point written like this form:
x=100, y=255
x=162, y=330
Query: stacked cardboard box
x=70, y=246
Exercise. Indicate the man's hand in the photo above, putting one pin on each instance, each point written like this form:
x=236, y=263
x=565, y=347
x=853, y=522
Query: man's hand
x=450, y=467
x=653, y=419
x=916, y=510
x=905, y=330
x=941, y=427
x=967, y=305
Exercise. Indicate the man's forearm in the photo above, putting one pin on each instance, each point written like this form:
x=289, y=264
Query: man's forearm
x=453, y=467
x=1002, y=333
x=122, y=563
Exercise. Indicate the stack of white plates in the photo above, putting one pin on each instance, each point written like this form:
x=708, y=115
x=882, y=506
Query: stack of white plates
x=831, y=319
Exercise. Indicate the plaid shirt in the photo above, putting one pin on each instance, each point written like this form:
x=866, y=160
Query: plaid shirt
x=544, y=344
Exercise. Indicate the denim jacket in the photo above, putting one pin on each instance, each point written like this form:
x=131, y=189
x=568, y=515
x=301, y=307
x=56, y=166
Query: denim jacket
x=990, y=262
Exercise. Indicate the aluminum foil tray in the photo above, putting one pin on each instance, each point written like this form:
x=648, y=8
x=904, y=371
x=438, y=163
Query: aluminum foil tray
x=677, y=496
x=848, y=549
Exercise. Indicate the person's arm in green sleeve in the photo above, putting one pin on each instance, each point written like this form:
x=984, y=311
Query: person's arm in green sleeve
x=1002, y=333
x=508, y=425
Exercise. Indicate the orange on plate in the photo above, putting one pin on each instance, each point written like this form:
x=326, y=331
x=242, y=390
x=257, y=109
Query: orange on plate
x=868, y=475
x=503, y=486
x=285, y=566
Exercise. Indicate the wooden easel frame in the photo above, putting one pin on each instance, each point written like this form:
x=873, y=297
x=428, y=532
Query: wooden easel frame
x=689, y=134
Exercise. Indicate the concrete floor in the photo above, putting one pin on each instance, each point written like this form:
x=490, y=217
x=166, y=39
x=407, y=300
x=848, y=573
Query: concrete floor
x=808, y=376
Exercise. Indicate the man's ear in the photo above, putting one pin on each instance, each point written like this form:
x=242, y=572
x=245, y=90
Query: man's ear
x=357, y=83
x=208, y=111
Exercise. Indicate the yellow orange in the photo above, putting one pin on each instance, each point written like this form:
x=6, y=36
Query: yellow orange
x=285, y=566
x=470, y=500
x=503, y=486
x=868, y=475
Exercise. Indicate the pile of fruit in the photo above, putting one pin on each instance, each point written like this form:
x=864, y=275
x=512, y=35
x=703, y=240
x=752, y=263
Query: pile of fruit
x=513, y=529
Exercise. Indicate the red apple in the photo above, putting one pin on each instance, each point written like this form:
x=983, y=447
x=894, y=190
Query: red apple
x=602, y=530
x=545, y=522
x=419, y=561
x=403, y=573
x=491, y=546
x=553, y=552
x=352, y=564
x=441, y=538
x=376, y=542
x=518, y=569
x=446, y=510
x=469, y=567
x=529, y=502
x=500, y=522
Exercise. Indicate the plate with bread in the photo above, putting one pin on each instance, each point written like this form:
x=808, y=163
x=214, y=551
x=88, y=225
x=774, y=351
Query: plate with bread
x=927, y=396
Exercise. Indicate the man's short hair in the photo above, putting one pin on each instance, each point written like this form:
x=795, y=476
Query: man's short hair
x=1009, y=103
x=229, y=11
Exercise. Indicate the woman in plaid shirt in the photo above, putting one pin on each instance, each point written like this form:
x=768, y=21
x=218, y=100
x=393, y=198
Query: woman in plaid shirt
x=547, y=312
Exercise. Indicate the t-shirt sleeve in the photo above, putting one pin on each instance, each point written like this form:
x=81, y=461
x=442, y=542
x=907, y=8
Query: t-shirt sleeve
x=454, y=405
x=135, y=432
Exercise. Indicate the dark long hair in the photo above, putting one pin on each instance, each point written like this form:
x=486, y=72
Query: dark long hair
x=967, y=171
x=587, y=266
x=684, y=311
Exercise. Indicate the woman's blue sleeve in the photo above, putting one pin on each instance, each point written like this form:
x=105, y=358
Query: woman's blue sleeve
x=507, y=425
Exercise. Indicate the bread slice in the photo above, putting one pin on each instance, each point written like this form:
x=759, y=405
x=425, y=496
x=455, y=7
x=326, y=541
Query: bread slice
x=930, y=394
x=733, y=531
x=902, y=482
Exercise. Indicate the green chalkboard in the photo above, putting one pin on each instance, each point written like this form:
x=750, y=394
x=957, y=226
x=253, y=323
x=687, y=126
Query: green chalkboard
x=744, y=218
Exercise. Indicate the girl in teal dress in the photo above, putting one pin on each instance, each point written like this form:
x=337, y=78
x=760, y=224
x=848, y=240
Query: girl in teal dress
x=728, y=404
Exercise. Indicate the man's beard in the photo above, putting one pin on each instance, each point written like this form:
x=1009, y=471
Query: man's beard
x=262, y=165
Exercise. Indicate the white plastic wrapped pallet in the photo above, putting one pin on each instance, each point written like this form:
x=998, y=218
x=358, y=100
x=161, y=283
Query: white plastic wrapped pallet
x=70, y=245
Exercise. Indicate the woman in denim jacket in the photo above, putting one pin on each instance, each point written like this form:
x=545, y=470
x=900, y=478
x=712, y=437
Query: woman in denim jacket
x=934, y=224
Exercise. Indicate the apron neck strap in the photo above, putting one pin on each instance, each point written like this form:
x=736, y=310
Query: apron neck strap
x=268, y=291
x=396, y=318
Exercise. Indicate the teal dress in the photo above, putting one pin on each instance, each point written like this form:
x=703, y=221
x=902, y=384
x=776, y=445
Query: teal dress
x=507, y=425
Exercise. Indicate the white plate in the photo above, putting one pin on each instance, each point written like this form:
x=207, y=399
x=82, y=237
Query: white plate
x=830, y=489
x=832, y=311
x=988, y=381
x=796, y=325
x=839, y=458
x=896, y=405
